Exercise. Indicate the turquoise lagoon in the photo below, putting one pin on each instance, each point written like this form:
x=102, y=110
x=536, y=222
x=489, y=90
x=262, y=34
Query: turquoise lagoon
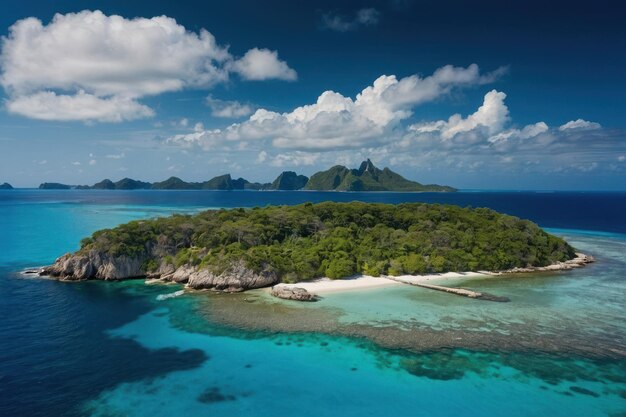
x=121, y=349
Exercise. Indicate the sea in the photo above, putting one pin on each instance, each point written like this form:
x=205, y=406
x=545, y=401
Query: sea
x=131, y=348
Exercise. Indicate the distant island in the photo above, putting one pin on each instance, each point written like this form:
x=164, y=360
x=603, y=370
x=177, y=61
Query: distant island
x=6, y=186
x=367, y=178
x=338, y=178
x=239, y=249
x=57, y=186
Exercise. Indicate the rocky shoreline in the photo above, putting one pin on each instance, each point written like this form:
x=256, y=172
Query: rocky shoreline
x=578, y=262
x=95, y=265
x=236, y=278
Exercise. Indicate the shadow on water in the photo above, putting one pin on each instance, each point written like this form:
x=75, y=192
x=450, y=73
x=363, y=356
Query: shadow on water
x=552, y=369
x=55, y=352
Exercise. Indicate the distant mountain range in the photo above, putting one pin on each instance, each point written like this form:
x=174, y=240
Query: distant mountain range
x=338, y=178
x=6, y=186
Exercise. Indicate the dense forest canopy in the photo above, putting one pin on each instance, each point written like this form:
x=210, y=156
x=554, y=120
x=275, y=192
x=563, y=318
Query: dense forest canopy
x=337, y=240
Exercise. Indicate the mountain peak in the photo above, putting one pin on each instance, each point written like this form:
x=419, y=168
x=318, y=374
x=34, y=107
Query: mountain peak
x=289, y=180
x=367, y=178
x=366, y=166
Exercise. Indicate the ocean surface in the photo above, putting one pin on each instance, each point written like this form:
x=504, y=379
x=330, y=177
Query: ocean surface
x=132, y=349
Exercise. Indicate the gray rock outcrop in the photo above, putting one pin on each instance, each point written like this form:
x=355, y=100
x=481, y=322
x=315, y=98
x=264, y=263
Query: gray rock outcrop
x=99, y=265
x=182, y=274
x=165, y=271
x=94, y=265
x=292, y=293
x=236, y=278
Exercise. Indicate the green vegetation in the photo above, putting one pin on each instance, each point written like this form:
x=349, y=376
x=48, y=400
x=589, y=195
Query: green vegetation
x=337, y=240
x=221, y=182
x=131, y=184
x=366, y=178
x=104, y=185
x=175, y=183
x=123, y=184
x=289, y=180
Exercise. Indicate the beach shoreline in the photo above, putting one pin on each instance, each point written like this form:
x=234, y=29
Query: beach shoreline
x=361, y=282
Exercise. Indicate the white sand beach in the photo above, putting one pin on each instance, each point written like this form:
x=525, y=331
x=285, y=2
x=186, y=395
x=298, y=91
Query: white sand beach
x=327, y=285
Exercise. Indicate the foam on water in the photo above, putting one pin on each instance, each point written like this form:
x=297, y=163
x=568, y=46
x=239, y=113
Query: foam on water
x=162, y=297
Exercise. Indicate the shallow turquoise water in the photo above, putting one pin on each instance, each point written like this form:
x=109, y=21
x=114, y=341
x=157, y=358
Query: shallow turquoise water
x=325, y=376
x=558, y=348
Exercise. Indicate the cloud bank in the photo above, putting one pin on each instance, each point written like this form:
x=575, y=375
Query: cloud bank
x=377, y=123
x=338, y=122
x=47, y=105
x=93, y=67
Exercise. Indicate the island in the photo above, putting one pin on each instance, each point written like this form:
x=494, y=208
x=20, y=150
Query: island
x=6, y=186
x=239, y=249
x=289, y=181
x=367, y=178
x=221, y=182
x=54, y=186
x=338, y=178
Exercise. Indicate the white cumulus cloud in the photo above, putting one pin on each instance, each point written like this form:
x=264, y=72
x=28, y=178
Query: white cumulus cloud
x=580, y=124
x=335, y=121
x=47, y=105
x=491, y=116
x=80, y=62
x=263, y=64
x=487, y=136
x=486, y=127
x=109, y=55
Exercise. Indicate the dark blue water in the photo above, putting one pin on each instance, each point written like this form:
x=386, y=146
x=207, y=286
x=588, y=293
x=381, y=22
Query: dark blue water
x=58, y=355
x=604, y=211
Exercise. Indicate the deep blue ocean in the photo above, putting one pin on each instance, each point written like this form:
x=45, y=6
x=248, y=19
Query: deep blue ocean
x=118, y=349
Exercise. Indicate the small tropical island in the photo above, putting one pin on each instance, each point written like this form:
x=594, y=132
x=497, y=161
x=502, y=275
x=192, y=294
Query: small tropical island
x=6, y=186
x=338, y=178
x=240, y=249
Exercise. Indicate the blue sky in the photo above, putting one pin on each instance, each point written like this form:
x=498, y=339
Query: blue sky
x=504, y=95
